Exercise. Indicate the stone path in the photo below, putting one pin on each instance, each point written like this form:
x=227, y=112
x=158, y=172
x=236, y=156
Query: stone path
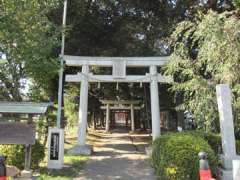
x=118, y=156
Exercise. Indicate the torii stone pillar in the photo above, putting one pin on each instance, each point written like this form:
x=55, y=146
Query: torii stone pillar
x=155, y=110
x=107, y=117
x=224, y=98
x=83, y=107
x=81, y=147
x=132, y=118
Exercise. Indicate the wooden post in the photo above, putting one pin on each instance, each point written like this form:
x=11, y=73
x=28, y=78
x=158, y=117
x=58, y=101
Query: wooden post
x=126, y=118
x=28, y=152
x=107, y=117
x=28, y=148
x=114, y=119
x=132, y=118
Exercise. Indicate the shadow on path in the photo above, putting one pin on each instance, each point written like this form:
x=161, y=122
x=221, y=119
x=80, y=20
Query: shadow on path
x=117, y=157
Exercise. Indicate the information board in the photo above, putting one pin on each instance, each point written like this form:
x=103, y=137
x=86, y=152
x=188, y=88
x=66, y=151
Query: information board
x=17, y=133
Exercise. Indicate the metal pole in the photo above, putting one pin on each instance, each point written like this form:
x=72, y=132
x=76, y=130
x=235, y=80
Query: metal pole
x=60, y=84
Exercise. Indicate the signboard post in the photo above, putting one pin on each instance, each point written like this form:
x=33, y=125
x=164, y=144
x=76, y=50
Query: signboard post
x=55, y=148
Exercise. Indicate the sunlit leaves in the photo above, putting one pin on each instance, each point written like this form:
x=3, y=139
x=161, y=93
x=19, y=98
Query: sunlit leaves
x=27, y=38
x=207, y=52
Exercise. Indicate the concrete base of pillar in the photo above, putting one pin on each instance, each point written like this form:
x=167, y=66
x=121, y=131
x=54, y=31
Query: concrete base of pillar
x=225, y=174
x=227, y=161
x=25, y=175
x=236, y=169
x=81, y=150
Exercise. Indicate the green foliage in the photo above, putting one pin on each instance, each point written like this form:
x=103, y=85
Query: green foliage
x=238, y=146
x=206, y=53
x=237, y=3
x=27, y=38
x=118, y=28
x=125, y=28
x=214, y=140
x=71, y=106
x=175, y=156
x=16, y=153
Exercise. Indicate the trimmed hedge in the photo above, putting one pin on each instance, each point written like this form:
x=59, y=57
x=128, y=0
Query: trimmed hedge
x=16, y=153
x=214, y=140
x=175, y=156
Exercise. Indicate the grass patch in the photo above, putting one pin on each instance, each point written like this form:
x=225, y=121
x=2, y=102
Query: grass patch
x=73, y=166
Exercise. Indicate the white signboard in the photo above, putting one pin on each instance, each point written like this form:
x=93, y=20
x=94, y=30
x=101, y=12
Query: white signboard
x=55, y=148
x=119, y=69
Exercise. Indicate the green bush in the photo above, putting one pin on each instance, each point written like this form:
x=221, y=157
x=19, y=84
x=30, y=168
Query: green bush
x=175, y=156
x=214, y=140
x=16, y=153
x=238, y=146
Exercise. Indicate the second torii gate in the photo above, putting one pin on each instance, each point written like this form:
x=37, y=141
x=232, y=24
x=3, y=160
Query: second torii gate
x=119, y=65
x=123, y=105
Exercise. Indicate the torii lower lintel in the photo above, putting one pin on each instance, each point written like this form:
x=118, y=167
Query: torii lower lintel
x=109, y=78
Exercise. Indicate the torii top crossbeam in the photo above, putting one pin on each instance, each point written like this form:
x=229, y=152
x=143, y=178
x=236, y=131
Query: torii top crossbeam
x=119, y=65
x=108, y=61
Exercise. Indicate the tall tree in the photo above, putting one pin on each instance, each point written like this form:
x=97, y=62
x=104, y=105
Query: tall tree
x=126, y=28
x=206, y=53
x=27, y=39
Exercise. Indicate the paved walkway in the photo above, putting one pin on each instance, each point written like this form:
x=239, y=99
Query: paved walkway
x=118, y=156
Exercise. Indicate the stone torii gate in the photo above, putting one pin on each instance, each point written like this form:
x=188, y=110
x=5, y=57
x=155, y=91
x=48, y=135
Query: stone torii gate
x=123, y=105
x=119, y=65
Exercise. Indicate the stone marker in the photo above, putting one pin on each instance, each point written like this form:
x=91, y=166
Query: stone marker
x=226, y=124
x=55, y=148
x=227, y=130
